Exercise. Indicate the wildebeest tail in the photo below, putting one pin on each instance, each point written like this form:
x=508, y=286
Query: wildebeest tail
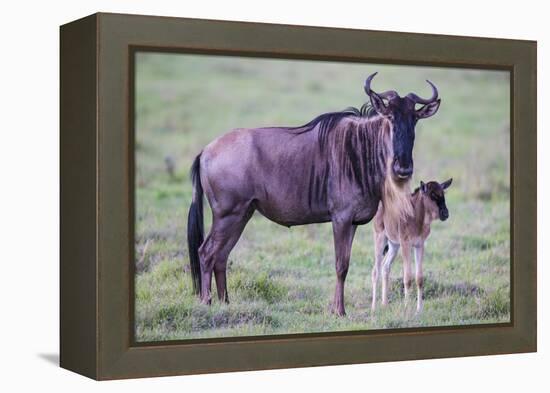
x=195, y=226
x=385, y=250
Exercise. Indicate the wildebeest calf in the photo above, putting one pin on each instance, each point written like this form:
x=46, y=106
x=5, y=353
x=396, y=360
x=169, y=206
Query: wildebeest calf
x=411, y=232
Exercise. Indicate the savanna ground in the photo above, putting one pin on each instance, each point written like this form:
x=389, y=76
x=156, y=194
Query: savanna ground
x=282, y=280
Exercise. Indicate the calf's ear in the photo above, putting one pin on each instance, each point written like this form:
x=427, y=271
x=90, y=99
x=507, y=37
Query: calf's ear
x=446, y=184
x=428, y=109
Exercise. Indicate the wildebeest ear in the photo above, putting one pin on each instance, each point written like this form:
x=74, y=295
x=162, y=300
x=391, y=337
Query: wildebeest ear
x=422, y=186
x=446, y=184
x=378, y=103
x=428, y=109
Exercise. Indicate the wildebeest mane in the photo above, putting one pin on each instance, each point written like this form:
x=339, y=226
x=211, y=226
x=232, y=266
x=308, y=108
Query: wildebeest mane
x=355, y=140
x=327, y=121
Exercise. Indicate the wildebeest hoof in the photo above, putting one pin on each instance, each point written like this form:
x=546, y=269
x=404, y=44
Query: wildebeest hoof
x=337, y=311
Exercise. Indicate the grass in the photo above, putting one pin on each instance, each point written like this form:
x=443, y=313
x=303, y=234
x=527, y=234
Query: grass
x=282, y=280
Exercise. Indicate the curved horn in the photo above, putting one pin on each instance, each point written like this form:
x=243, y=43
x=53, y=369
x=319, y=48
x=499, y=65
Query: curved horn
x=388, y=95
x=419, y=100
x=367, y=83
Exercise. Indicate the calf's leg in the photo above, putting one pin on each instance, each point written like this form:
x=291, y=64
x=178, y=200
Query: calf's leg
x=386, y=269
x=407, y=276
x=418, y=258
x=380, y=241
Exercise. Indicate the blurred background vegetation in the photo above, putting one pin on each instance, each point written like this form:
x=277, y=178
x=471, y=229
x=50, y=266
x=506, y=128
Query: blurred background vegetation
x=280, y=280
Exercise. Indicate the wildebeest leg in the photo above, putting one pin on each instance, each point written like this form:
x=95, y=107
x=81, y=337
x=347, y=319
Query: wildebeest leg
x=418, y=257
x=206, y=251
x=380, y=241
x=224, y=234
x=407, y=276
x=235, y=227
x=386, y=269
x=343, y=231
x=221, y=280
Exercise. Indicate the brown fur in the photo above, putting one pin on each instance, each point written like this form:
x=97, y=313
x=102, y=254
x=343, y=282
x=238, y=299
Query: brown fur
x=396, y=200
x=408, y=232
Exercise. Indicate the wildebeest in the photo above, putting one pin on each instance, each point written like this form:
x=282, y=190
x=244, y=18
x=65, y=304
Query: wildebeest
x=336, y=168
x=409, y=233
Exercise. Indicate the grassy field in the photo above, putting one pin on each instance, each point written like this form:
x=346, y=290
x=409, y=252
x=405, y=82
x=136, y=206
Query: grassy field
x=282, y=280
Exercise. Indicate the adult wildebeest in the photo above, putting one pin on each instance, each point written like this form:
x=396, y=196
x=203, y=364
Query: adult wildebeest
x=335, y=168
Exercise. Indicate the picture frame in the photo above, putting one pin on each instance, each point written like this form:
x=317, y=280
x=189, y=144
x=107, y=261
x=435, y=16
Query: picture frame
x=96, y=170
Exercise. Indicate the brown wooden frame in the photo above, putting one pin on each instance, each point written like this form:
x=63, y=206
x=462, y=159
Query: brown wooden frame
x=97, y=196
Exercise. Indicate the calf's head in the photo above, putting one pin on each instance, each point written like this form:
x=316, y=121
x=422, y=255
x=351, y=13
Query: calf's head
x=434, y=193
x=403, y=115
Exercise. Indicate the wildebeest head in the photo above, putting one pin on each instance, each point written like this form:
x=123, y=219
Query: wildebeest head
x=402, y=113
x=435, y=192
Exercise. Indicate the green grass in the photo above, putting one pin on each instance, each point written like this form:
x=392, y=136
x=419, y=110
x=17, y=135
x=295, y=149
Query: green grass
x=282, y=280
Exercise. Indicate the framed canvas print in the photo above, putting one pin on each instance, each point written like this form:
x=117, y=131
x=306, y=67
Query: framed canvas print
x=240, y=196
